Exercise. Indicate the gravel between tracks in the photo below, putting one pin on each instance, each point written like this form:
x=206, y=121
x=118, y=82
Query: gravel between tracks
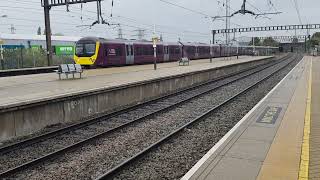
x=21, y=155
x=112, y=149
x=90, y=161
x=174, y=158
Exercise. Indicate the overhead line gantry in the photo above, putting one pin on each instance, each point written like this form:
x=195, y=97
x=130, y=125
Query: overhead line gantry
x=264, y=28
x=47, y=4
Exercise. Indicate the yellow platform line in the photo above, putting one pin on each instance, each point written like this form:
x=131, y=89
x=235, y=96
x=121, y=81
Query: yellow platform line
x=305, y=156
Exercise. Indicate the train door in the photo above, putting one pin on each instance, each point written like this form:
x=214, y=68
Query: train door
x=166, y=52
x=197, y=52
x=129, y=54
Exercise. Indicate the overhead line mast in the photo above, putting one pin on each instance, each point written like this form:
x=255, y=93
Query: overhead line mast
x=244, y=11
x=47, y=4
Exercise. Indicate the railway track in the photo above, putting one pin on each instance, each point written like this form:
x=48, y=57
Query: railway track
x=115, y=172
x=175, y=156
x=42, y=148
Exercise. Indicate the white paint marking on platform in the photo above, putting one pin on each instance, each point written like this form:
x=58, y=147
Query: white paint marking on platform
x=196, y=167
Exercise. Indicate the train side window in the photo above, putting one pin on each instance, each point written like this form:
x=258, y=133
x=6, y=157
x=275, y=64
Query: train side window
x=118, y=51
x=151, y=50
x=177, y=51
x=127, y=49
x=131, y=47
x=144, y=51
x=136, y=51
x=159, y=50
x=166, y=50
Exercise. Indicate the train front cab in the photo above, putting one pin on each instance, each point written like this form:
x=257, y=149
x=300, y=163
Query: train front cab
x=86, y=52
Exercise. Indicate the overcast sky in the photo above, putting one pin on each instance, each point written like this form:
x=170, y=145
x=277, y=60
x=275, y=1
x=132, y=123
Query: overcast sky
x=171, y=21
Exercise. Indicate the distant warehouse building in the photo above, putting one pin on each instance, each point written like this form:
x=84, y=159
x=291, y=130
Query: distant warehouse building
x=62, y=45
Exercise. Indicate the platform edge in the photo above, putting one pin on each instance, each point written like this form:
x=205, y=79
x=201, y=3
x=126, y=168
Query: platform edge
x=212, y=151
x=305, y=155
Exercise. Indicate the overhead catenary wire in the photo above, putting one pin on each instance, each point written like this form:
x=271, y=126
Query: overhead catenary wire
x=295, y=4
x=64, y=24
x=205, y=15
x=93, y=12
x=260, y=11
x=75, y=12
x=270, y=3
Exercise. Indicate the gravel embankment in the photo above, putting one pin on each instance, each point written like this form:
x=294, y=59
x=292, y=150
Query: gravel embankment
x=95, y=158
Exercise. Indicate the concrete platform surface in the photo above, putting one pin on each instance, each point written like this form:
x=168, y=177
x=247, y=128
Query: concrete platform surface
x=25, y=89
x=278, y=139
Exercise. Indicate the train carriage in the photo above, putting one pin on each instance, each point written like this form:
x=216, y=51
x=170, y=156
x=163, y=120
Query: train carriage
x=174, y=52
x=92, y=51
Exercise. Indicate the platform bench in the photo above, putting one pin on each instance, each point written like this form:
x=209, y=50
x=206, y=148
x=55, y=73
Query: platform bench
x=184, y=61
x=69, y=69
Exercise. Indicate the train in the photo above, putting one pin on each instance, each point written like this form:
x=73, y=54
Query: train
x=101, y=52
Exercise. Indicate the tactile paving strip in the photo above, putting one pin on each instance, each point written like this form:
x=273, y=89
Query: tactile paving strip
x=314, y=164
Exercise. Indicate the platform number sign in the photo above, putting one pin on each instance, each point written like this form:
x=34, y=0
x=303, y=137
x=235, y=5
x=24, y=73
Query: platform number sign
x=270, y=115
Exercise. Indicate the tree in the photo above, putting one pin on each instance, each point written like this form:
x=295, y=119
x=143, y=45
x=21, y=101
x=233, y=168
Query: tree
x=58, y=34
x=270, y=42
x=44, y=32
x=39, y=30
x=257, y=42
x=315, y=39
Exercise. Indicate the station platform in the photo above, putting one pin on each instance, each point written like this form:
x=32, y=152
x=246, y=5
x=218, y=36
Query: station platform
x=278, y=139
x=19, y=90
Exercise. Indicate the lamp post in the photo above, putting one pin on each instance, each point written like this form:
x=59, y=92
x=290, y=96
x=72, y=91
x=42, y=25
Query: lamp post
x=1, y=54
x=155, y=39
x=211, y=49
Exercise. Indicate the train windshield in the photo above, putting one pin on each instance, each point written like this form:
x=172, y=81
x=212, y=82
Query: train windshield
x=85, y=49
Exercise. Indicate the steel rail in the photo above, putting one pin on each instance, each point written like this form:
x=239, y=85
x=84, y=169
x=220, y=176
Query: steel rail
x=119, y=167
x=93, y=120
x=88, y=140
